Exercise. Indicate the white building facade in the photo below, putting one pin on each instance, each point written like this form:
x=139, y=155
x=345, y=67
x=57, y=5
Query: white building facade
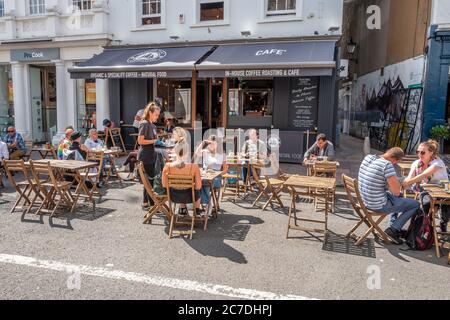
x=42, y=39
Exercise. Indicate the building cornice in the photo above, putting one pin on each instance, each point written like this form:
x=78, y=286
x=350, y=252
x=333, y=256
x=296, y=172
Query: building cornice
x=335, y=38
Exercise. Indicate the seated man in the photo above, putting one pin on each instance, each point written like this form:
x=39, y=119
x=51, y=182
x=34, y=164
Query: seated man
x=380, y=191
x=322, y=148
x=15, y=143
x=93, y=141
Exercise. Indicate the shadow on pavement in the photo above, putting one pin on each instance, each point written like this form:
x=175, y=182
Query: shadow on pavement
x=229, y=227
x=341, y=244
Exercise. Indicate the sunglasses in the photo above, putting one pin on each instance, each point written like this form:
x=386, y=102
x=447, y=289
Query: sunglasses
x=422, y=153
x=11, y=131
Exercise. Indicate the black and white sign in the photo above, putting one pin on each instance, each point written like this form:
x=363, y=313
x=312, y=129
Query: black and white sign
x=132, y=75
x=44, y=54
x=147, y=56
x=303, y=104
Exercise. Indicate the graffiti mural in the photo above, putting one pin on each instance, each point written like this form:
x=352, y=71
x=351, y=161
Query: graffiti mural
x=387, y=108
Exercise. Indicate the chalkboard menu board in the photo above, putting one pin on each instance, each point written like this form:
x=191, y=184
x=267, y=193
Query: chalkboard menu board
x=303, y=103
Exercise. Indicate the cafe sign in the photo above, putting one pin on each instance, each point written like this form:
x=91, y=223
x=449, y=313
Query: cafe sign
x=44, y=54
x=132, y=74
x=266, y=73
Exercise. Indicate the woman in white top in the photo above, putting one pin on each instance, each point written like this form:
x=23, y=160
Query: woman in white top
x=213, y=159
x=428, y=169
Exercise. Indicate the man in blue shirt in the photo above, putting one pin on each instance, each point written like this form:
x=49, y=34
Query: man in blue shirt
x=15, y=143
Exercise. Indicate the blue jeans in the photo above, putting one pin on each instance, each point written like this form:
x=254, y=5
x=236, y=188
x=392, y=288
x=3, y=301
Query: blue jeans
x=396, y=205
x=205, y=192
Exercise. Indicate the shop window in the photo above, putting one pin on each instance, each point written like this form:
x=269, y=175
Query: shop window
x=86, y=105
x=211, y=11
x=36, y=7
x=82, y=5
x=250, y=98
x=6, y=98
x=2, y=8
x=151, y=12
x=281, y=7
x=175, y=98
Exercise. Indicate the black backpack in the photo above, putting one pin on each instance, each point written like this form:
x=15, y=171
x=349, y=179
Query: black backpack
x=420, y=232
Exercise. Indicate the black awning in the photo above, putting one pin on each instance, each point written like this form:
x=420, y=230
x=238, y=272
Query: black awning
x=280, y=59
x=176, y=62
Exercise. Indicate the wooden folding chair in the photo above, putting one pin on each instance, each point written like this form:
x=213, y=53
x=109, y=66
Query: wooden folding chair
x=324, y=169
x=23, y=188
x=40, y=175
x=109, y=168
x=182, y=182
x=268, y=187
x=94, y=176
x=160, y=201
x=372, y=219
x=232, y=183
x=57, y=193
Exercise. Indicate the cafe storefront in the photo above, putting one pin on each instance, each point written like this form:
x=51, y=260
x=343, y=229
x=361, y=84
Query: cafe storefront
x=289, y=86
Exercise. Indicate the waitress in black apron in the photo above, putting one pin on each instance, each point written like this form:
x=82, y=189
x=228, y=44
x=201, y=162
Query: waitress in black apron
x=147, y=139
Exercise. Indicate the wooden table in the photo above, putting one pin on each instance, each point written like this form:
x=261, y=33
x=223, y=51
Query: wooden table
x=438, y=196
x=44, y=152
x=311, y=187
x=74, y=168
x=209, y=176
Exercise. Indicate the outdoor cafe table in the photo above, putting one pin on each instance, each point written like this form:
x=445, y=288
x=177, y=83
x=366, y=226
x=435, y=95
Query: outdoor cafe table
x=44, y=152
x=316, y=187
x=438, y=196
x=74, y=168
x=209, y=176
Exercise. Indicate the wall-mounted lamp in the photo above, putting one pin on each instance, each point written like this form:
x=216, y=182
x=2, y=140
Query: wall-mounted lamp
x=351, y=46
x=246, y=33
x=351, y=49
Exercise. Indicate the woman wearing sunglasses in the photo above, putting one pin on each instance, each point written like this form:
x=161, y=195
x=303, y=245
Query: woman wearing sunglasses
x=428, y=169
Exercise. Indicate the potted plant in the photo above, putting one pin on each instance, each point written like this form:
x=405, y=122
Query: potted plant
x=440, y=133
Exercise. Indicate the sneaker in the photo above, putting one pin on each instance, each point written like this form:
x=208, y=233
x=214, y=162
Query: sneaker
x=183, y=212
x=394, y=235
x=201, y=212
x=145, y=207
